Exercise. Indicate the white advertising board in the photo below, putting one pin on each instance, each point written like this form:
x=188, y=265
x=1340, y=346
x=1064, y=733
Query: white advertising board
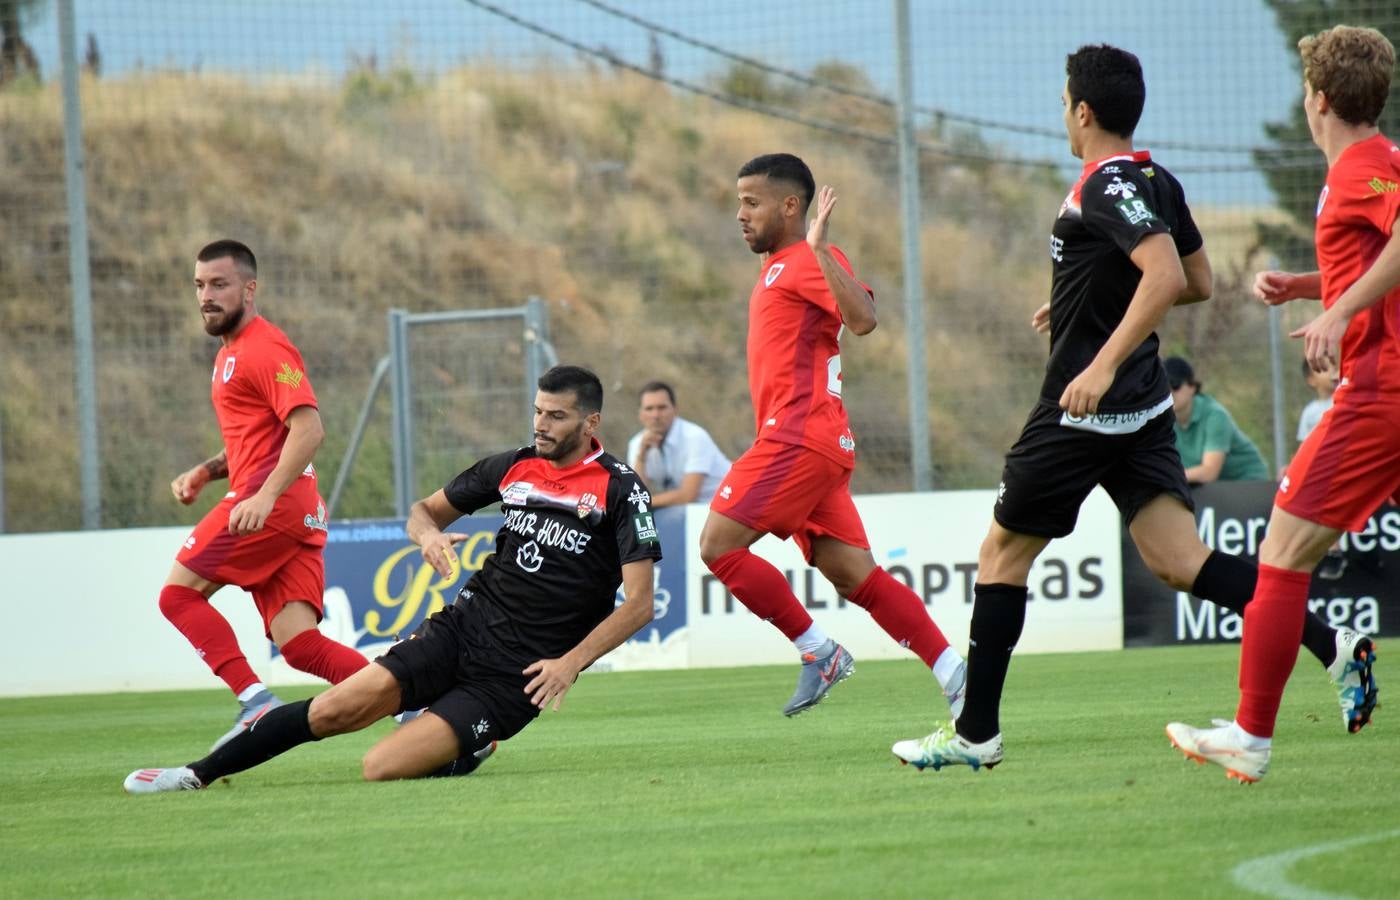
x=930, y=542
x=83, y=616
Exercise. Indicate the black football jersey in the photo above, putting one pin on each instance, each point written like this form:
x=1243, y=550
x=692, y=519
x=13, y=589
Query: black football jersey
x=1114, y=204
x=558, y=560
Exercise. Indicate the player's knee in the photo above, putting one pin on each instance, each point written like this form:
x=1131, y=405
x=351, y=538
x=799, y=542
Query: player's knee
x=174, y=599
x=379, y=766
x=712, y=551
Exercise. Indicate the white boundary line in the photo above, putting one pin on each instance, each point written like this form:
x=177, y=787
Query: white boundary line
x=1268, y=875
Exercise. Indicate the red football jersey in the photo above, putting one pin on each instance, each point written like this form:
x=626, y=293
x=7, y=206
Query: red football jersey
x=258, y=380
x=794, y=356
x=1355, y=215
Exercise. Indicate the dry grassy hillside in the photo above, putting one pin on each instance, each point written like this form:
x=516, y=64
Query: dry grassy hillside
x=605, y=194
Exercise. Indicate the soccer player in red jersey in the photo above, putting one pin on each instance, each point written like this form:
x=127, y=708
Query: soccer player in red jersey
x=795, y=479
x=1350, y=463
x=267, y=533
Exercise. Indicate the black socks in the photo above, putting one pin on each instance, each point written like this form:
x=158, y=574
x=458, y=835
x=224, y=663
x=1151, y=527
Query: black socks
x=278, y=731
x=998, y=615
x=1229, y=581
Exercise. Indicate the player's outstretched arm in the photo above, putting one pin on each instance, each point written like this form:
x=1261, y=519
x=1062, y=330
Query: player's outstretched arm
x=856, y=305
x=1274, y=288
x=426, y=519
x=304, y=436
x=1322, y=337
x=1162, y=282
x=554, y=677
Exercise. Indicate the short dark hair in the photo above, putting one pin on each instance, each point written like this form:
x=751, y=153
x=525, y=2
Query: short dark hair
x=783, y=167
x=576, y=380
x=652, y=387
x=1179, y=372
x=242, y=256
x=1110, y=81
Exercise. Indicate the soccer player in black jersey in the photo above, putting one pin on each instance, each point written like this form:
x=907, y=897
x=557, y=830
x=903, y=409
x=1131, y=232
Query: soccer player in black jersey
x=540, y=610
x=1124, y=250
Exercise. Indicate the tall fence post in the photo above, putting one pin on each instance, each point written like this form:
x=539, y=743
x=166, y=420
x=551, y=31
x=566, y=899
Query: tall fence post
x=79, y=273
x=910, y=208
x=404, y=487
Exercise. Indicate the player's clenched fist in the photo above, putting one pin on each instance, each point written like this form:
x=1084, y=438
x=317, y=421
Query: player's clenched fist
x=187, y=485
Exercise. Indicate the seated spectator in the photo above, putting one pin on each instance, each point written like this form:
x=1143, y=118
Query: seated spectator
x=677, y=459
x=1323, y=384
x=1211, y=445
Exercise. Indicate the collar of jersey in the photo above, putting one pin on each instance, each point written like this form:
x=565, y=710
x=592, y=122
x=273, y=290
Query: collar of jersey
x=595, y=451
x=255, y=323
x=1379, y=136
x=1137, y=156
x=783, y=252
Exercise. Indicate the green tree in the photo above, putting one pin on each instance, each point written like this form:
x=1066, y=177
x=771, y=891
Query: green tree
x=1293, y=167
x=17, y=58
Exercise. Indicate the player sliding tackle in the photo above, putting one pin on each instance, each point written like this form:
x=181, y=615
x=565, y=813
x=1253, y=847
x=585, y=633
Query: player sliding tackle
x=541, y=609
x=1124, y=250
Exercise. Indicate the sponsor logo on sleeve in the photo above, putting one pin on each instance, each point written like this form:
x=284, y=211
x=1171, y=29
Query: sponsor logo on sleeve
x=286, y=375
x=645, y=527
x=1380, y=186
x=1134, y=211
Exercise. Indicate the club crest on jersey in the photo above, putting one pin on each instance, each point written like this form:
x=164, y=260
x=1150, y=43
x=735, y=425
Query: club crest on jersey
x=772, y=274
x=1321, y=200
x=228, y=369
x=516, y=493
x=586, y=504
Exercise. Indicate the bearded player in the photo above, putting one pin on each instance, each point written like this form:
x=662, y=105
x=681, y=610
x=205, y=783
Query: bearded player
x=795, y=479
x=267, y=533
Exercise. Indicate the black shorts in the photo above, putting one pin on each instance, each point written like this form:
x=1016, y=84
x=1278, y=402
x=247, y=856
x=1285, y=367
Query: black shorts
x=1051, y=469
x=452, y=667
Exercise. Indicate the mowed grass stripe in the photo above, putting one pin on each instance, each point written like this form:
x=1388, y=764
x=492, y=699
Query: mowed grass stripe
x=692, y=784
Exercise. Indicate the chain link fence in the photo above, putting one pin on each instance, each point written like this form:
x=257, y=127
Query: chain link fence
x=462, y=154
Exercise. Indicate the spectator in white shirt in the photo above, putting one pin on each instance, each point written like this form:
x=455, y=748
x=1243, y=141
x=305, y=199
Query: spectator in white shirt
x=677, y=459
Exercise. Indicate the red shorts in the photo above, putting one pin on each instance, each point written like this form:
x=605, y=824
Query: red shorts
x=791, y=491
x=1347, y=467
x=277, y=565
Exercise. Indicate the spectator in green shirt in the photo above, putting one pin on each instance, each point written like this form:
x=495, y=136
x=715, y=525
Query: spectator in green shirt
x=1211, y=445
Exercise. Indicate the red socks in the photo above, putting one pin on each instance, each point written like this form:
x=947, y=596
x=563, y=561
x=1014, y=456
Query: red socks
x=210, y=634
x=1273, y=625
x=897, y=610
x=313, y=652
x=764, y=590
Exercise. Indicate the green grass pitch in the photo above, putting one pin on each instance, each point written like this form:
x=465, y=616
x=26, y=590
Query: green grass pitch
x=677, y=784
